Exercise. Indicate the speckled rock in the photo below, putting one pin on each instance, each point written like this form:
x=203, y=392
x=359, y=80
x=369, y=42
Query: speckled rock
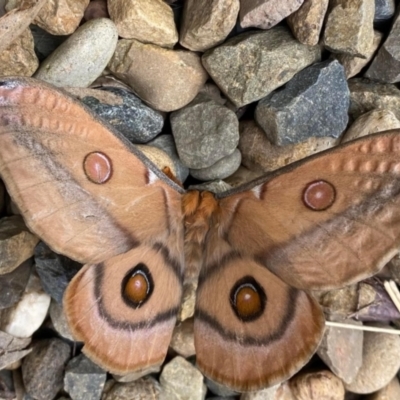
x=145, y=388
x=386, y=65
x=204, y=132
x=16, y=243
x=92, y=44
x=55, y=271
x=167, y=144
x=127, y=113
x=13, y=284
x=42, y=370
x=353, y=65
x=306, y=23
x=182, y=341
x=19, y=58
x=83, y=379
x=265, y=14
x=220, y=170
x=180, y=379
x=384, y=10
x=159, y=157
x=265, y=394
x=149, y=21
x=341, y=350
x=26, y=316
x=322, y=384
x=59, y=320
x=313, y=104
x=389, y=392
x=260, y=155
x=366, y=95
x=381, y=361
x=371, y=122
x=349, y=27
x=165, y=79
x=206, y=24
x=251, y=65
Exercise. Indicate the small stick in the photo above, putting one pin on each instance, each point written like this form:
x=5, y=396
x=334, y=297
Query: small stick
x=393, y=292
x=362, y=328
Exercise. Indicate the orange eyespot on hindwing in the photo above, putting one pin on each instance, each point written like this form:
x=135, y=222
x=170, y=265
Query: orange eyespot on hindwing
x=319, y=195
x=97, y=167
x=248, y=299
x=137, y=286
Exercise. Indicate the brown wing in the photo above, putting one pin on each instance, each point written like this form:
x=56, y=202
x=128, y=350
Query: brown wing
x=124, y=309
x=325, y=222
x=81, y=187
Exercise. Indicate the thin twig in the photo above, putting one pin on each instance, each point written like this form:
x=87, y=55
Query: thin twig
x=363, y=328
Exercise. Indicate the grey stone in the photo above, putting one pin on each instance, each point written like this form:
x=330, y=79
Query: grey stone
x=265, y=14
x=167, y=144
x=145, y=388
x=204, y=132
x=13, y=284
x=84, y=379
x=43, y=368
x=92, y=45
x=250, y=66
x=384, y=10
x=366, y=95
x=219, y=389
x=313, y=104
x=138, y=122
x=45, y=42
x=55, y=271
x=12, y=350
x=214, y=187
x=386, y=65
x=59, y=321
x=220, y=170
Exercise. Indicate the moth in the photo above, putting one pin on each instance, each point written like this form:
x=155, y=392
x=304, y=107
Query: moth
x=322, y=223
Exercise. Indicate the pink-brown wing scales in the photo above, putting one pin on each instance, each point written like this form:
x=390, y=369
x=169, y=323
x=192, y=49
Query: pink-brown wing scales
x=328, y=221
x=90, y=195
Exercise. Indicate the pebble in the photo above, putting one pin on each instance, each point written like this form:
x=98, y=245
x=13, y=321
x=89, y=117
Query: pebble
x=181, y=380
x=158, y=157
x=149, y=21
x=167, y=144
x=349, y=27
x=61, y=17
x=220, y=170
x=384, y=10
x=322, y=384
x=386, y=65
x=265, y=394
x=59, y=320
x=250, y=66
x=242, y=176
x=207, y=25
x=341, y=350
x=93, y=44
x=145, y=388
x=96, y=9
x=204, y=132
x=214, y=186
x=13, y=284
x=12, y=350
x=389, y=392
x=219, y=389
x=134, y=376
x=55, y=271
x=188, y=300
x=83, y=379
x=265, y=14
x=353, y=65
x=381, y=361
x=26, y=316
x=16, y=243
x=306, y=23
x=313, y=104
x=366, y=95
x=43, y=368
x=259, y=155
x=126, y=112
x=371, y=122
x=19, y=57
x=182, y=341
x=165, y=79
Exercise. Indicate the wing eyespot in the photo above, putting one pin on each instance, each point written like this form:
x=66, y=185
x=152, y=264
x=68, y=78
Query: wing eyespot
x=319, y=195
x=97, y=167
x=248, y=299
x=137, y=286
